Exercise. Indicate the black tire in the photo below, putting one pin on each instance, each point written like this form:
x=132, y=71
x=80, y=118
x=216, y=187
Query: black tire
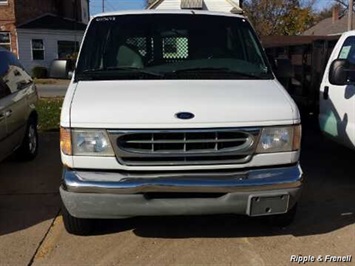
x=29, y=146
x=283, y=220
x=76, y=226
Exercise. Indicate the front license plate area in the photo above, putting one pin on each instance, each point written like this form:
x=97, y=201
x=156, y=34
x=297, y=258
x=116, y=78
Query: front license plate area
x=267, y=205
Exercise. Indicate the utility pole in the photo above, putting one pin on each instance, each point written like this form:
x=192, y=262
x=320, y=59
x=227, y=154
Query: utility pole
x=103, y=6
x=350, y=15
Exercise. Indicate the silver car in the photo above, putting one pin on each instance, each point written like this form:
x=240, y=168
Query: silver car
x=18, y=116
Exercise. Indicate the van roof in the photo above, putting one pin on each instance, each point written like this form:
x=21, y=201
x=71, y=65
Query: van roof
x=165, y=11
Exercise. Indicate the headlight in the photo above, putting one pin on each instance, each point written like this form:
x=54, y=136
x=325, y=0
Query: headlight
x=279, y=139
x=86, y=142
x=91, y=143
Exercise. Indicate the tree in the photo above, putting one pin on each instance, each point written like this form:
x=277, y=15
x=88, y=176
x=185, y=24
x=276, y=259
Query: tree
x=343, y=3
x=280, y=17
x=327, y=12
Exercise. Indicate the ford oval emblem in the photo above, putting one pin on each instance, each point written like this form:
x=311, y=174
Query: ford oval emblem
x=184, y=115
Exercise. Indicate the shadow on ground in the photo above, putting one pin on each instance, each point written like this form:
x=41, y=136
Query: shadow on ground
x=29, y=190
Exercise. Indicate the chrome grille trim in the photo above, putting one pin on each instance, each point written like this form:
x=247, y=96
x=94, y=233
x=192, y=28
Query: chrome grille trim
x=184, y=147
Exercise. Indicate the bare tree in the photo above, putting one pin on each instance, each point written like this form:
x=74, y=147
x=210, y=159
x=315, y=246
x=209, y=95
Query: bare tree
x=327, y=11
x=343, y=3
x=280, y=17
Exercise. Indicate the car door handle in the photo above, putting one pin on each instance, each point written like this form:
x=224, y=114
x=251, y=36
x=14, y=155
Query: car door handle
x=326, y=93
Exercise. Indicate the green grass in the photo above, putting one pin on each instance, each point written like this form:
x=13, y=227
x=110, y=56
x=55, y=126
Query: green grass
x=49, y=113
x=44, y=81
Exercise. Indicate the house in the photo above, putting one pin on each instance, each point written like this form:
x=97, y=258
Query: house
x=39, y=31
x=233, y=6
x=335, y=25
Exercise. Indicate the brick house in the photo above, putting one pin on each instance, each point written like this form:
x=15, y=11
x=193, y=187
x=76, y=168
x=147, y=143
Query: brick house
x=38, y=31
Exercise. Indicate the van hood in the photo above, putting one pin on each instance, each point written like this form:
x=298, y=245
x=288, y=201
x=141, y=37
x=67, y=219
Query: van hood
x=155, y=103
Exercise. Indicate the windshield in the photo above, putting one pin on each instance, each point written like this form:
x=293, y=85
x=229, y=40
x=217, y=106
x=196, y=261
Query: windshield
x=171, y=46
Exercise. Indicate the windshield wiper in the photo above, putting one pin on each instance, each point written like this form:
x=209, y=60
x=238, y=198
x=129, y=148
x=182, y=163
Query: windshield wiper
x=216, y=70
x=136, y=70
x=115, y=72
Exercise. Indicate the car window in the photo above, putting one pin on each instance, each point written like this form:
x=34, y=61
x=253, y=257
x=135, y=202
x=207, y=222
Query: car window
x=348, y=50
x=13, y=75
x=4, y=89
x=166, y=44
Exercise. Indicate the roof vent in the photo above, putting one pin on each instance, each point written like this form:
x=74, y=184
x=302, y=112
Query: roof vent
x=237, y=10
x=191, y=4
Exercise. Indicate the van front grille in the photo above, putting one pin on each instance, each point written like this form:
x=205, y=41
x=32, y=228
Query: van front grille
x=184, y=147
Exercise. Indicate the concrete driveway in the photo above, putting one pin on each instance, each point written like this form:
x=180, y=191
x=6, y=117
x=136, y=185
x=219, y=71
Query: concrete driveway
x=31, y=228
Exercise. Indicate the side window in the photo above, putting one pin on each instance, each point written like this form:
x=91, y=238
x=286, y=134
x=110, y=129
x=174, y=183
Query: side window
x=348, y=50
x=4, y=90
x=4, y=69
x=13, y=77
x=37, y=49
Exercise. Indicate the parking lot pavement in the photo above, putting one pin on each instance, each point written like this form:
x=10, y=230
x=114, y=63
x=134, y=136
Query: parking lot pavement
x=325, y=223
x=28, y=202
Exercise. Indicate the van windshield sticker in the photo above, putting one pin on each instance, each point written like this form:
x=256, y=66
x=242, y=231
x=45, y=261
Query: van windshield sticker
x=344, y=52
x=105, y=19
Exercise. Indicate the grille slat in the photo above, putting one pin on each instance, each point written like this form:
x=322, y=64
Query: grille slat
x=173, y=153
x=183, y=141
x=184, y=147
x=184, y=160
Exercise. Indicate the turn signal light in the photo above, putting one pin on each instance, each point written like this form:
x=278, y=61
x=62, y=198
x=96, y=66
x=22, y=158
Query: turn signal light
x=65, y=141
x=297, y=135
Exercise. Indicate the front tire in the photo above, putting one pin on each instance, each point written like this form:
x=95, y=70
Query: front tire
x=76, y=226
x=29, y=146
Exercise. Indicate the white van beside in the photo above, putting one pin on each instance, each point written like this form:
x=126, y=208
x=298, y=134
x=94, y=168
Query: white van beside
x=337, y=93
x=176, y=113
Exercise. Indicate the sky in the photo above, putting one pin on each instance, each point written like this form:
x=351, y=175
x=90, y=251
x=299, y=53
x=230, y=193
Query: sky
x=320, y=4
x=115, y=5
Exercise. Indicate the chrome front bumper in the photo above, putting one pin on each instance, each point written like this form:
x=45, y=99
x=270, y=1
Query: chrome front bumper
x=89, y=194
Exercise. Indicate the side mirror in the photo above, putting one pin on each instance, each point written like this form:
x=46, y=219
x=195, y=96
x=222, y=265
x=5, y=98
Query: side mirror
x=339, y=72
x=70, y=74
x=283, y=68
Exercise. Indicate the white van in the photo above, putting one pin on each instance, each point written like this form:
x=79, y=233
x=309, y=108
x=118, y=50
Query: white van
x=176, y=113
x=337, y=93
